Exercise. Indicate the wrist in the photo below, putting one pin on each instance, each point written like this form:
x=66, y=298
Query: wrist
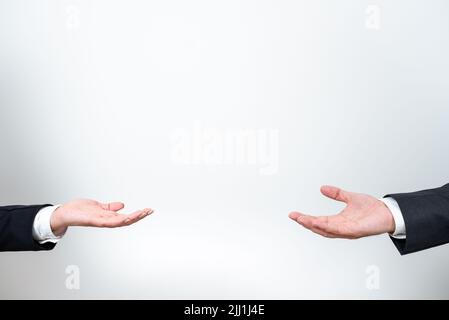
x=390, y=225
x=57, y=222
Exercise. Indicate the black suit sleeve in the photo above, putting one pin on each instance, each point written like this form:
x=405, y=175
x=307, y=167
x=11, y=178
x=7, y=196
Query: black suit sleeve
x=16, y=229
x=426, y=217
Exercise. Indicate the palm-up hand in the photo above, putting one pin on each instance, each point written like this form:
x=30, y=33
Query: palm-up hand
x=363, y=216
x=90, y=213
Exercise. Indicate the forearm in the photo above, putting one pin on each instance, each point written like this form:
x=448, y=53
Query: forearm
x=32, y=228
x=16, y=229
x=426, y=218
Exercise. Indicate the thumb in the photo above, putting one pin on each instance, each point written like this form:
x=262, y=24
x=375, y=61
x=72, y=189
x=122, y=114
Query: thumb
x=113, y=206
x=335, y=193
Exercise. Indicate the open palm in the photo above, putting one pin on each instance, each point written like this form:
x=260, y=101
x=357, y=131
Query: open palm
x=91, y=213
x=363, y=216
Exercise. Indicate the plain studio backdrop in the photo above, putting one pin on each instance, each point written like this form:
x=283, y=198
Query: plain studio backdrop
x=223, y=116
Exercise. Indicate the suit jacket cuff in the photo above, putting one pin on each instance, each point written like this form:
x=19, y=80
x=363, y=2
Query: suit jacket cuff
x=425, y=217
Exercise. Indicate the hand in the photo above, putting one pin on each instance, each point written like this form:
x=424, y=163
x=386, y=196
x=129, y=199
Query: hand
x=90, y=213
x=363, y=216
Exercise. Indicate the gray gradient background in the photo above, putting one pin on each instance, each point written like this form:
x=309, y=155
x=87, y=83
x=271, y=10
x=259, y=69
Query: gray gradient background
x=88, y=112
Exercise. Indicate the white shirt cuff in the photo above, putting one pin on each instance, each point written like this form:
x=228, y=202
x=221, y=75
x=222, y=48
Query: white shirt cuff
x=42, y=232
x=392, y=204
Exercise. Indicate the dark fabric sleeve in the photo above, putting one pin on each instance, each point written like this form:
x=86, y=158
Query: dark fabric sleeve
x=16, y=229
x=426, y=217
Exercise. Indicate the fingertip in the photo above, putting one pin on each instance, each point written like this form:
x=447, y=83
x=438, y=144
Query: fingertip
x=334, y=193
x=298, y=217
x=146, y=212
x=325, y=189
x=138, y=215
x=293, y=215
